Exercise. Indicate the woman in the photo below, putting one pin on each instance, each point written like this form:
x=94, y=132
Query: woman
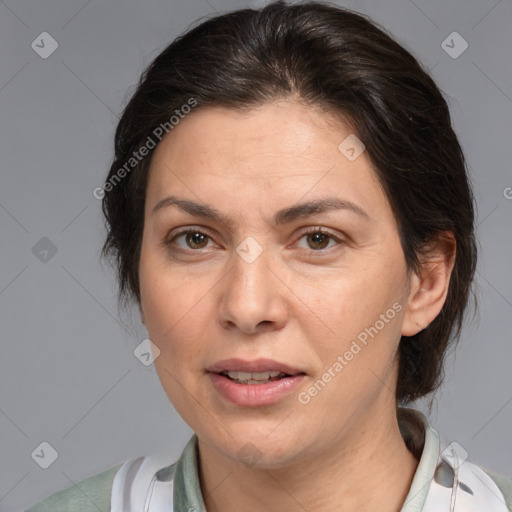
x=289, y=208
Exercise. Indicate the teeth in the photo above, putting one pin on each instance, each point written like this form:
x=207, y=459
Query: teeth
x=256, y=376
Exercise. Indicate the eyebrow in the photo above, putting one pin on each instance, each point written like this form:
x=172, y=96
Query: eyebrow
x=284, y=216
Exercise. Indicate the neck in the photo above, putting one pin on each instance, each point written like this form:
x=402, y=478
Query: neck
x=368, y=467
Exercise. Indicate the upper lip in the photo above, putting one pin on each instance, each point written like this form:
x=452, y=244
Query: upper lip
x=255, y=366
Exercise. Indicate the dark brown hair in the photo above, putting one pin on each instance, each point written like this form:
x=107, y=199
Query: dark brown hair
x=336, y=59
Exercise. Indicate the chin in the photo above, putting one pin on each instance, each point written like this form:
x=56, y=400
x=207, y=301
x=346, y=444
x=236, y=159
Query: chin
x=261, y=450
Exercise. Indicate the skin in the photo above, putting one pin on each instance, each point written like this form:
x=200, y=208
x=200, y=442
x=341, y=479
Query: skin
x=291, y=304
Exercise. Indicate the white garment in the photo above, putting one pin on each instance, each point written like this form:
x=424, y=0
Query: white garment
x=144, y=484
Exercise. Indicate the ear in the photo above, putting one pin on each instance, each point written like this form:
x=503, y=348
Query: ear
x=429, y=288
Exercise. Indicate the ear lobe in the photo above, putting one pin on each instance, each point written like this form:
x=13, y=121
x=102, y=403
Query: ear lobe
x=429, y=289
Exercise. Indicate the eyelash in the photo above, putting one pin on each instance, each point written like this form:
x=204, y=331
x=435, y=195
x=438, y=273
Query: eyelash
x=168, y=241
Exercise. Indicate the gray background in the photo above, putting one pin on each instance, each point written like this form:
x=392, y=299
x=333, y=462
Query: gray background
x=68, y=373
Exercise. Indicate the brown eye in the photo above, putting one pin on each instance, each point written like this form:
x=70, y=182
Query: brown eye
x=194, y=240
x=318, y=240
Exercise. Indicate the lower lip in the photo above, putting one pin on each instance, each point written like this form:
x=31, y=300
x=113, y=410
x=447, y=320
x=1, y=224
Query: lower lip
x=254, y=395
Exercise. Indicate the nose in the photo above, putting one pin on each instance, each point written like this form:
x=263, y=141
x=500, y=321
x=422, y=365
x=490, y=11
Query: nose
x=253, y=297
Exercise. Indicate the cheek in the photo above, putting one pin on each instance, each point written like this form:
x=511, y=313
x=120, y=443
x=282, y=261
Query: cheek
x=359, y=361
x=353, y=302
x=169, y=299
x=177, y=315
x=174, y=315
x=363, y=312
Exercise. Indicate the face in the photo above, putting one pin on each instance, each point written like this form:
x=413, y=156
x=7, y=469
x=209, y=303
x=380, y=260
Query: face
x=320, y=289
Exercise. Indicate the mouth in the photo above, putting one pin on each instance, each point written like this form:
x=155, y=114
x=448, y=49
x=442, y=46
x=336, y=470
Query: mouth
x=255, y=378
x=258, y=383
x=256, y=371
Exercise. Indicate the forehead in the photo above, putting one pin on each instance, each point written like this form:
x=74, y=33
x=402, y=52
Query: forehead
x=280, y=152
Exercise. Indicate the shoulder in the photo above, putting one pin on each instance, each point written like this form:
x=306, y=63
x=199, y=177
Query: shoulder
x=92, y=493
x=504, y=484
